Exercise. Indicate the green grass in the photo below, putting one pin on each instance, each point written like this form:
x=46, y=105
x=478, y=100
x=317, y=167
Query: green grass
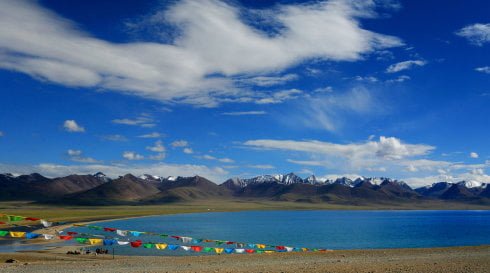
x=87, y=213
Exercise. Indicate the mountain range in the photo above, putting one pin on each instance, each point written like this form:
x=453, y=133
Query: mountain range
x=150, y=189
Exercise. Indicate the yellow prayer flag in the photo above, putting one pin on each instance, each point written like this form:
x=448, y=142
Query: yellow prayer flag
x=218, y=250
x=160, y=246
x=17, y=234
x=304, y=249
x=94, y=241
x=269, y=251
x=260, y=246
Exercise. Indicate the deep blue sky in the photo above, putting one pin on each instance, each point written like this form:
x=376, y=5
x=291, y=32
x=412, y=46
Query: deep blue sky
x=280, y=86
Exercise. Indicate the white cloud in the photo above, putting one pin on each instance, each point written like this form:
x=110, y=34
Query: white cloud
x=163, y=169
x=143, y=121
x=366, y=79
x=179, y=143
x=188, y=151
x=132, y=156
x=244, y=113
x=269, y=80
x=477, y=34
x=72, y=126
x=152, y=135
x=76, y=156
x=159, y=156
x=223, y=160
x=326, y=89
x=404, y=65
x=212, y=40
x=1, y=134
x=484, y=69
x=115, y=138
x=226, y=160
x=71, y=152
x=158, y=147
x=280, y=96
x=401, y=78
x=261, y=166
x=474, y=155
x=369, y=154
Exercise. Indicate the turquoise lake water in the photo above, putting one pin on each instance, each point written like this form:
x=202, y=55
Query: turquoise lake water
x=313, y=229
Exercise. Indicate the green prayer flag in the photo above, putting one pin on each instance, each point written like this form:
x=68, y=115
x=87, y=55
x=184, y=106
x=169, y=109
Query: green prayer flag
x=82, y=240
x=3, y=233
x=13, y=218
x=207, y=249
x=164, y=235
x=220, y=242
x=148, y=245
x=259, y=251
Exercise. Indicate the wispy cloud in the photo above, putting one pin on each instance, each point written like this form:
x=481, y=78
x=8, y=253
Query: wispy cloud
x=76, y=156
x=129, y=155
x=404, y=65
x=269, y=80
x=210, y=157
x=245, y=113
x=152, y=135
x=477, y=34
x=145, y=121
x=115, y=137
x=157, y=147
x=180, y=143
x=483, y=69
x=210, y=41
x=72, y=126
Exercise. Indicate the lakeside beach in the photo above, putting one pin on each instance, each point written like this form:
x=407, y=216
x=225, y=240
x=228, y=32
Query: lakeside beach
x=453, y=259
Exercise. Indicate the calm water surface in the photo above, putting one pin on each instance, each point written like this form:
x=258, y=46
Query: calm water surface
x=312, y=229
x=318, y=229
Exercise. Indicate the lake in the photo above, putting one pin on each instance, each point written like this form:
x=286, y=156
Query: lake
x=313, y=229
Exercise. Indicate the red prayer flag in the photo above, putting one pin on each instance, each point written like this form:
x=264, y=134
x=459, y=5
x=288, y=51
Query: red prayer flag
x=65, y=237
x=175, y=237
x=230, y=243
x=2, y=223
x=110, y=229
x=136, y=243
x=249, y=250
x=32, y=219
x=196, y=248
x=72, y=233
x=280, y=248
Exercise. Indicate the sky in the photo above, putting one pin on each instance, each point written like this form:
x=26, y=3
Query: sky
x=222, y=89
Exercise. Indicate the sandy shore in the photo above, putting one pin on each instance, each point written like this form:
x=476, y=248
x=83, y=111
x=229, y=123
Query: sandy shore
x=454, y=259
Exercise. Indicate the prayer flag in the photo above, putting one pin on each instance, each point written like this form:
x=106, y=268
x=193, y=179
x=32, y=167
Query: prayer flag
x=32, y=219
x=109, y=242
x=17, y=234
x=109, y=229
x=46, y=223
x=229, y=250
x=173, y=247
x=240, y=250
x=148, y=245
x=65, y=237
x=218, y=250
x=160, y=246
x=196, y=248
x=207, y=249
x=3, y=233
x=136, y=243
x=72, y=233
x=82, y=240
x=186, y=248
x=32, y=235
x=122, y=243
x=48, y=236
x=93, y=241
x=250, y=250
x=121, y=232
x=14, y=218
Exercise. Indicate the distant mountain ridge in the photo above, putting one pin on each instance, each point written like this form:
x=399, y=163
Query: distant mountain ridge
x=100, y=189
